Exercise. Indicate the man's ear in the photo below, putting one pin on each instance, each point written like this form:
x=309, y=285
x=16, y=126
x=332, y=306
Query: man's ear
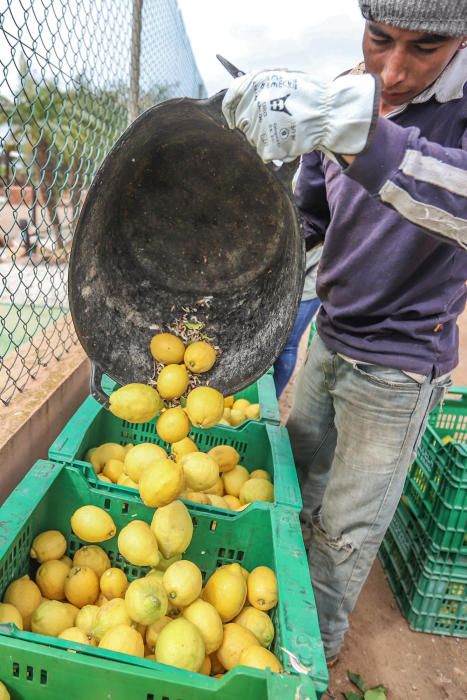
x=463, y=43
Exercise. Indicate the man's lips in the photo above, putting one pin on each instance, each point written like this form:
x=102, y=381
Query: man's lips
x=388, y=95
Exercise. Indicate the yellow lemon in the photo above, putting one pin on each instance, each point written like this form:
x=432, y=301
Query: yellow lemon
x=94, y=556
x=226, y=415
x=236, y=638
x=232, y=502
x=173, y=528
x=141, y=456
x=51, y=617
x=167, y=348
x=252, y=411
x=201, y=471
x=110, y=615
x=236, y=417
x=101, y=600
x=10, y=614
x=86, y=617
x=217, y=489
x=50, y=544
x=124, y=480
x=101, y=455
x=146, y=600
x=258, y=657
x=50, y=577
x=205, y=406
x=258, y=622
x=226, y=457
x=217, y=501
x=223, y=421
x=226, y=590
x=234, y=480
x=256, y=490
x=128, y=447
x=206, y=667
x=199, y=357
x=153, y=631
x=229, y=401
x=183, y=583
x=135, y=403
x=124, y=639
x=81, y=586
x=105, y=479
x=26, y=596
x=240, y=405
x=113, y=583
x=113, y=469
x=92, y=524
x=161, y=483
x=196, y=497
x=260, y=474
x=206, y=618
x=183, y=447
x=180, y=644
x=67, y=560
x=4, y=694
x=173, y=425
x=172, y=381
x=74, y=634
x=262, y=588
x=137, y=543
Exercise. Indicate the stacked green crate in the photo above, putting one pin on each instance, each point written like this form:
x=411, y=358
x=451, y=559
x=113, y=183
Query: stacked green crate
x=424, y=553
x=261, y=535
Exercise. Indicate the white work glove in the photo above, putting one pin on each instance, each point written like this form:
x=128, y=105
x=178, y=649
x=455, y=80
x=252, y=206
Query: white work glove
x=285, y=114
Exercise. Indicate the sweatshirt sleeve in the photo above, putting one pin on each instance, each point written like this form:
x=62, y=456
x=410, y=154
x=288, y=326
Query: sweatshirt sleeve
x=426, y=183
x=310, y=197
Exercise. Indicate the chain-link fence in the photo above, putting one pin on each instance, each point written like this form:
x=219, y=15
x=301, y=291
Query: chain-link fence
x=73, y=74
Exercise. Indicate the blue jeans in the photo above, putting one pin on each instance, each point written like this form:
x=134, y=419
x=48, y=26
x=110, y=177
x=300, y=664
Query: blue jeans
x=285, y=363
x=354, y=430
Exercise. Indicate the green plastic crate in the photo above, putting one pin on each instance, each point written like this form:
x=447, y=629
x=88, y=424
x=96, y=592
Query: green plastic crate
x=430, y=590
x=50, y=493
x=263, y=392
x=436, y=486
x=31, y=671
x=261, y=446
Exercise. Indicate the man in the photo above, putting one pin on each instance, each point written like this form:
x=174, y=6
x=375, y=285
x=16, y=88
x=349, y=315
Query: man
x=386, y=191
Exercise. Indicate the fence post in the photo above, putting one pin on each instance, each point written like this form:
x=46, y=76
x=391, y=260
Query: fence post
x=133, y=98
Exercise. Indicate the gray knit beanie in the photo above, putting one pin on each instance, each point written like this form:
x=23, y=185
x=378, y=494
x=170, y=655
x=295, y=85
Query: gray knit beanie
x=446, y=17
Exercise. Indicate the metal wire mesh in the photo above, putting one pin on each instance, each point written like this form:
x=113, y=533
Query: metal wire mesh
x=72, y=75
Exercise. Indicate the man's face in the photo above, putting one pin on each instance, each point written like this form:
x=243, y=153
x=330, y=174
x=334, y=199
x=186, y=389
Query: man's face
x=407, y=62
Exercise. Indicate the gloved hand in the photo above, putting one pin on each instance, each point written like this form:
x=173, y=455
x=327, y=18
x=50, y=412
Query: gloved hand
x=285, y=114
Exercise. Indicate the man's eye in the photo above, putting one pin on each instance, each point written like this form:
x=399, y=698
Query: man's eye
x=424, y=49
x=380, y=41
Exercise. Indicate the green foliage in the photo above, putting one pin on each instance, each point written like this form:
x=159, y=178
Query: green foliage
x=378, y=692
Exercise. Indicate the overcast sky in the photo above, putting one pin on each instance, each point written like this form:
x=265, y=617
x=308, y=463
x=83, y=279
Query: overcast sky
x=320, y=36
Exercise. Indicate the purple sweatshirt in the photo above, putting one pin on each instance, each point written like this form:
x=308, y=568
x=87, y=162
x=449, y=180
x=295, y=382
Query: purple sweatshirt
x=394, y=224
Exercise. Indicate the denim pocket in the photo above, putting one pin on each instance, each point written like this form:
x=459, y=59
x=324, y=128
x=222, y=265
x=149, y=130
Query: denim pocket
x=387, y=377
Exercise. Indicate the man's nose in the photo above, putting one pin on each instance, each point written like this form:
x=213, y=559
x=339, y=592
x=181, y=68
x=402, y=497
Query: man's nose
x=395, y=69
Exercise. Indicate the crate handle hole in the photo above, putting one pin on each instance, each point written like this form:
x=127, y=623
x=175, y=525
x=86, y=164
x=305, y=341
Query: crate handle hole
x=221, y=552
x=43, y=676
x=107, y=504
x=15, y=669
x=240, y=556
x=195, y=522
x=230, y=554
x=149, y=696
x=213, y=525
x=124, y=507
x=29, y=673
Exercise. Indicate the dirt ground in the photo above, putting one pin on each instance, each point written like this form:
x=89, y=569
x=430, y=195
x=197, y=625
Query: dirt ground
x=379, y=645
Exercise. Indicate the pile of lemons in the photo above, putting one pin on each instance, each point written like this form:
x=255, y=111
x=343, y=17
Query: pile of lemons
x=165, y=615
x=212, y=478
x=202, y=407
x=237, y=411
